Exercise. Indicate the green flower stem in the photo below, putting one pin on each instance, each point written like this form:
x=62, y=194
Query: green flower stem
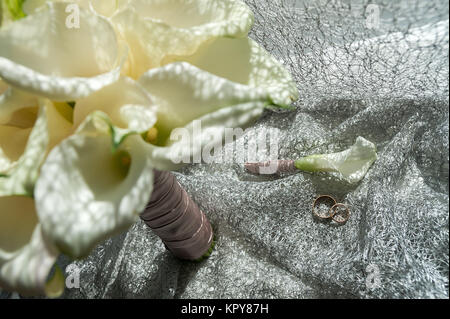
x=313, y=163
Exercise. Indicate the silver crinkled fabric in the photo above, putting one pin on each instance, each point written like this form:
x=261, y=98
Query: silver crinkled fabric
x=385, y=80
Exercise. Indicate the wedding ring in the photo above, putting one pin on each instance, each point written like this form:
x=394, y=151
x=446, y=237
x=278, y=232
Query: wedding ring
x=323, y=198
x=343, y=219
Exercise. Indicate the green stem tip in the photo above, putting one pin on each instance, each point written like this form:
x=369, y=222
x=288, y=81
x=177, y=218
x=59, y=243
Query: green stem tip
x=208, y=252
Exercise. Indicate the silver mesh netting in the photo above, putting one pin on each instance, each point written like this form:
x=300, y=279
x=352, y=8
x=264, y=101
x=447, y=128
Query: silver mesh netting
x=377, y=69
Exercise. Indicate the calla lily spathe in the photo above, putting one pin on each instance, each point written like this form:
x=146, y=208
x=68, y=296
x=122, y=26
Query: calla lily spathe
x=29, y=128
x=159, y=30
x=26, y=254
x=131, y=67
x=351, y=164
x=97, y=192
x=40, y=54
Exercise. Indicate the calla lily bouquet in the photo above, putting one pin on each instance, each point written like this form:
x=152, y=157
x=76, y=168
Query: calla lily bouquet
x=90, y=92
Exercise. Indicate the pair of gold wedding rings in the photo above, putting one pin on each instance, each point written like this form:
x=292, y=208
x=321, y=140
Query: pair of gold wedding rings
x=340, y=218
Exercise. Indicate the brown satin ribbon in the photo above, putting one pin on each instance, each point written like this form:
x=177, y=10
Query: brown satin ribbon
x=177, y=219
x=282, y=166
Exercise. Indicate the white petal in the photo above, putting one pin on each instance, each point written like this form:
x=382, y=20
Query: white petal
x=12, y=100
x=183, y=93
x=23, y=149
x=58, y=125
x=26, y=256
x=41, y=54
x=351, y=164
x=127, y=104
x=83, y=195
x=14, y=135
x=156, y=29
x=21, y=173
x=244, y=61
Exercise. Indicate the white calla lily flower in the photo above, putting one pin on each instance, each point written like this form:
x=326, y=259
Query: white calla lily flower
x=29, y=128
x=26, y=254
x=22, y=150
x=351, y=164
x=155, y=29
x=41, y=55
x=87, y=191
x=185, y=94
x=246, y=62
x=126, y=102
